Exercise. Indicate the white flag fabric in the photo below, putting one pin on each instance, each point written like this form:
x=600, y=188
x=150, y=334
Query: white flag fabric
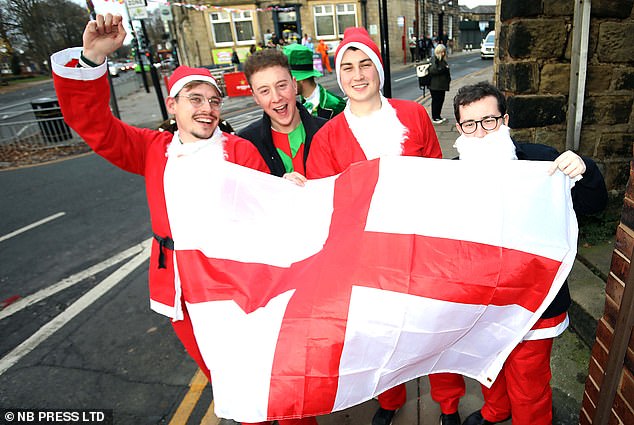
x=308, y=300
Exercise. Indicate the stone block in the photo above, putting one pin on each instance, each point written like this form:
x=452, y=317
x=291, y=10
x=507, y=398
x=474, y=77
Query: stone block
x=615, y=175
x=518, y=77
x=538, y=39
x=519, y=9
x=624, y=79
x=588, y=142
x=559, y=7
x=598, y=78
x=607, y=110
x=536, y=110
x=553, y=137
x=611, y=8
x=555, y=78
x=615, y=145
x=616, y=42
x=523, y=135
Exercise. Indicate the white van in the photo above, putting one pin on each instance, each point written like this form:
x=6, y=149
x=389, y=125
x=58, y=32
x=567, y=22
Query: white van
x=487, y=49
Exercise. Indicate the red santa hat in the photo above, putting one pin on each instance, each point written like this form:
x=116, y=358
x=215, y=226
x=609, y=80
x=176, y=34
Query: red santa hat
x=359, y=38
x=184, y=74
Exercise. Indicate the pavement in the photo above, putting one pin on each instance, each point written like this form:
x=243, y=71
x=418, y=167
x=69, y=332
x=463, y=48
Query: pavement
x=571, y=351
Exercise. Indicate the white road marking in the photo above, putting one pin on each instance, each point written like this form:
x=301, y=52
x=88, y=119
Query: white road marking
x=71, y=280
x=31, y=226
x=73, y=310
x=405, y=78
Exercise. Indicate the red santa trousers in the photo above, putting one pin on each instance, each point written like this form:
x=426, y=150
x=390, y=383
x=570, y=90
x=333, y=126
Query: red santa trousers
x=522, y=387
x=446, y=390
x=394, y=398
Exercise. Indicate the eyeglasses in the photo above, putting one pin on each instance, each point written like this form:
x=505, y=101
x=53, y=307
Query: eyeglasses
x=487, y=123
x=197, y=101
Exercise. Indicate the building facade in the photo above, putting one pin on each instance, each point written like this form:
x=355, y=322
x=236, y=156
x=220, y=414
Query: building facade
x=207, y=32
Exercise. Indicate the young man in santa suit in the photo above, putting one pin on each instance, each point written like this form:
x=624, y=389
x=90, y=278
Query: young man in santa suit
x=284, y=133
x=522, y=389
x=370, y=126
x=195, y=100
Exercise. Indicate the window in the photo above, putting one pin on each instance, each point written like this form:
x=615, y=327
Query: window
x=324, y=21
x=329, y=19
x=346, y=17
x=450, y=25
x=221, y=27
x=430, y=24
x=243, y=24
x=236, y=26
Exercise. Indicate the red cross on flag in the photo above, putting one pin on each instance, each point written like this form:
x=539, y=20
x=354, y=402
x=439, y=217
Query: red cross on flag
x=310, y=300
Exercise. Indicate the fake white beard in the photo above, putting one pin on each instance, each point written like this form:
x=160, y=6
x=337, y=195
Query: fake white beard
x=495, y=146
x=216, y=141
x=380, y=133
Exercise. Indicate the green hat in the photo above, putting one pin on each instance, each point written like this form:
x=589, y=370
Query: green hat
x=300, y=58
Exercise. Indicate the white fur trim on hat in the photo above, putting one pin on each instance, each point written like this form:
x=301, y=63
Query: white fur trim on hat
x=178, y=85
x=365, y=49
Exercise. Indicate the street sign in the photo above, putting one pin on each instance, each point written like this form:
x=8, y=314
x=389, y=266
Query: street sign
x=137, y=9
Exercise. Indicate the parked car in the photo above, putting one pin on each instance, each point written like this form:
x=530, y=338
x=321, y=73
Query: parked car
x=114, y=69
x=169, y=63
x=487, y=49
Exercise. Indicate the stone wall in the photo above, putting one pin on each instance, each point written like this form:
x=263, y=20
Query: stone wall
x=193, y=31
x=533, y=68
x=622, y=411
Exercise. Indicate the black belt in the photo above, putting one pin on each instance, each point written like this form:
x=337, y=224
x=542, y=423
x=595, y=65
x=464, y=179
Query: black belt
x=165, y=242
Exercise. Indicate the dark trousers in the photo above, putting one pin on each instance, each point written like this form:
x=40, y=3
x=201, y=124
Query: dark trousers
x=437, y=99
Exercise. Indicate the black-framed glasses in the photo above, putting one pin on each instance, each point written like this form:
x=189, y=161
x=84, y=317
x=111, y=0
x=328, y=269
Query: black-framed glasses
x=198, y=100
x=487, y=123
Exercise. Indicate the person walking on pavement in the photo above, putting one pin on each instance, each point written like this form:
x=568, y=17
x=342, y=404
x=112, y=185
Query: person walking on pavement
x=195, y=100
x=322, y=49
x=235, y=60
x=440, y=80
x=315, y=98
x=522, y=389
x=371, y=126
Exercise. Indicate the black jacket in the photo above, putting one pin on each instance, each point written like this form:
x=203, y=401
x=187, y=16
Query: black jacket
x=589, y=196
x=440, y=75
x=259, y=133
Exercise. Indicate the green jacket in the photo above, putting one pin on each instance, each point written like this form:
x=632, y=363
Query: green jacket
x=329, y=104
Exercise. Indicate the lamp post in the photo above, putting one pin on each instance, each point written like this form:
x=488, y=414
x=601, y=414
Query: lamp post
x=385, y=49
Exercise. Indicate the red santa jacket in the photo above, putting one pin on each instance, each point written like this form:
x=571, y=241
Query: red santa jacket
x=83, y=95
x=335, y=147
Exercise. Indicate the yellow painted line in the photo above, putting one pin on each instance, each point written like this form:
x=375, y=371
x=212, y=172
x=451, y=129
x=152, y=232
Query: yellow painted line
x=196, y=387
x=210, y=417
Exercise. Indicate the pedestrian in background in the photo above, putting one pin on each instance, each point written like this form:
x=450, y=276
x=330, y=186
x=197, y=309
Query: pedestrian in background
x=440, y=79
x=322, y=49
x=235, y=60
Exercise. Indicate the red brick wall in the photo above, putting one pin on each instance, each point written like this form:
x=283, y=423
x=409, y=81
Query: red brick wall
x=623, y=406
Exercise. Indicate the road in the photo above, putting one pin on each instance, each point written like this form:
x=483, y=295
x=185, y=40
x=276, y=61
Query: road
x=76, y=329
